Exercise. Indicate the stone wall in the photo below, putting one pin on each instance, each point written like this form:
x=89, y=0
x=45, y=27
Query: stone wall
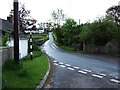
x=111, y=47
x=6, y=53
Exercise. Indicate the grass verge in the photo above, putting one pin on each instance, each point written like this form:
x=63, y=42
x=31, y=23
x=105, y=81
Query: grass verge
x=27, y=75
x=67, y=48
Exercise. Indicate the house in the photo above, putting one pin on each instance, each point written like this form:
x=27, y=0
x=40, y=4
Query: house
x=7, y=27
x=23, y=45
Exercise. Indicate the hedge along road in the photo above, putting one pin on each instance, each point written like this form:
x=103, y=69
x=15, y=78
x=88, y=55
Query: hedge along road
x=80, y=70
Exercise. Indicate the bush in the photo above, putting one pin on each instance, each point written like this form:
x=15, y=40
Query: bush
x=5, y=39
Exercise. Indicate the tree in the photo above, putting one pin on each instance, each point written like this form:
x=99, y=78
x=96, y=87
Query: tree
x=25, y=19
x=69, y=32
x=115, y=12
x=100, y=31
x=58, y=16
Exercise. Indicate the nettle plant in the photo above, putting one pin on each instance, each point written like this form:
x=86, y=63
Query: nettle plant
x=5, y=39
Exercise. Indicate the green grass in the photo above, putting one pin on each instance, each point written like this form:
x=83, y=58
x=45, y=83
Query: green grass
x=67, y=48
x=38, y=36
x=39, y=39
x=28, y=75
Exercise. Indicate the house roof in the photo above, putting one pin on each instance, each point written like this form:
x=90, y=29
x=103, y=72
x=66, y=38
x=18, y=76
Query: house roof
x=22, y=36
x=5, y=25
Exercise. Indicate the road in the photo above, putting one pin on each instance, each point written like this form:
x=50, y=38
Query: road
x=79, y=70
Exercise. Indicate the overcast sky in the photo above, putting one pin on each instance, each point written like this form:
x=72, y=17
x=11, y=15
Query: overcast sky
x=84, y=10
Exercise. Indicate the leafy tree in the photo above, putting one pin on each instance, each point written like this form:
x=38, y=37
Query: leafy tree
x=85, y=32
x=115, y=12
x=100, y=31
x=58, y=16
x=70, y=36
x=25, y=19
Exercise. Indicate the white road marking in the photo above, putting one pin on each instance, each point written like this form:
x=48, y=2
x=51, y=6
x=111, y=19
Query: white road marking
x=54, y=61
x=75, y=67
x=67, y=64
x=53, y=47
x=56, y=64
x=62, y=66
x=86, y=70
x=60, y=63
x=114, y=80
x=70, y=68
x=98, y=76
x=102, y=74
x=82, y=72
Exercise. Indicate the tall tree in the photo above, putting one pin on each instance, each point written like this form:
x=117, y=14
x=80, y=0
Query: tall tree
x=25, y=19
x=115, y=12
x=58, y=16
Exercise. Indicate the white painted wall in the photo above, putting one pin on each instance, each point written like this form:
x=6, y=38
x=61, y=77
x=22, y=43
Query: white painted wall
x=23, y=47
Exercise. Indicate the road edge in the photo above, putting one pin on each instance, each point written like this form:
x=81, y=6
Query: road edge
x=45, y=77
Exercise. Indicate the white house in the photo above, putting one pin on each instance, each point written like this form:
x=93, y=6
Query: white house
x=23, y=45
x=6, y=26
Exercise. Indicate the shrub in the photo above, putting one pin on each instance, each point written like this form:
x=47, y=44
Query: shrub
x=5, y=39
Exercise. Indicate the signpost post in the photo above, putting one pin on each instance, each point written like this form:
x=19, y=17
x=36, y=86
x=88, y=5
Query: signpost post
x=31, y=53
x=16, y=36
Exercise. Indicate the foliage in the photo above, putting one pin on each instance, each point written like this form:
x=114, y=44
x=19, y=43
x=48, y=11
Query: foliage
x=115, y=12
x=58, y=16
x=5, y=39
x=38, y=40
x=100, y=31
x=12, y=65
x=25, y=19
x=68, y=34
x=29, y=76
x=97, y=33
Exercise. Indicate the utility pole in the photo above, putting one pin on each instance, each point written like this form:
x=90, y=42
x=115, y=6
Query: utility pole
x=16, y=36
x=79, y=21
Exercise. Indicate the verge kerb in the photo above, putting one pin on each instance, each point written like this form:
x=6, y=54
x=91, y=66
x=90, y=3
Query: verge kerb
x=45, y=77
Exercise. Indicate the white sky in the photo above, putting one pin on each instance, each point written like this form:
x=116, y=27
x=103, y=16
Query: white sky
x=84, y=10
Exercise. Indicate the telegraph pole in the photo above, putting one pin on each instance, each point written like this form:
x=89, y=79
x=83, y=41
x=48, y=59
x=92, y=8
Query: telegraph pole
x=16, y=36
x=79, y=21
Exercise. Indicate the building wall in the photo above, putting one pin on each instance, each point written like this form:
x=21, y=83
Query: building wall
x=23, y=47
x=6, y=53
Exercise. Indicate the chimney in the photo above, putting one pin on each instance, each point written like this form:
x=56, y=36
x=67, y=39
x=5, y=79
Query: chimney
x=10, y=19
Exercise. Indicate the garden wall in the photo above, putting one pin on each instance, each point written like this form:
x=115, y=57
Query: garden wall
x=111, y=47
x=6, y=53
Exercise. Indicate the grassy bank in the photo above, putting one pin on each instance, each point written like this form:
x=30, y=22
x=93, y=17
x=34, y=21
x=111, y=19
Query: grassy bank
x=61, y=46
x=30, y=72
x=27, y=75
x=38, y=36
